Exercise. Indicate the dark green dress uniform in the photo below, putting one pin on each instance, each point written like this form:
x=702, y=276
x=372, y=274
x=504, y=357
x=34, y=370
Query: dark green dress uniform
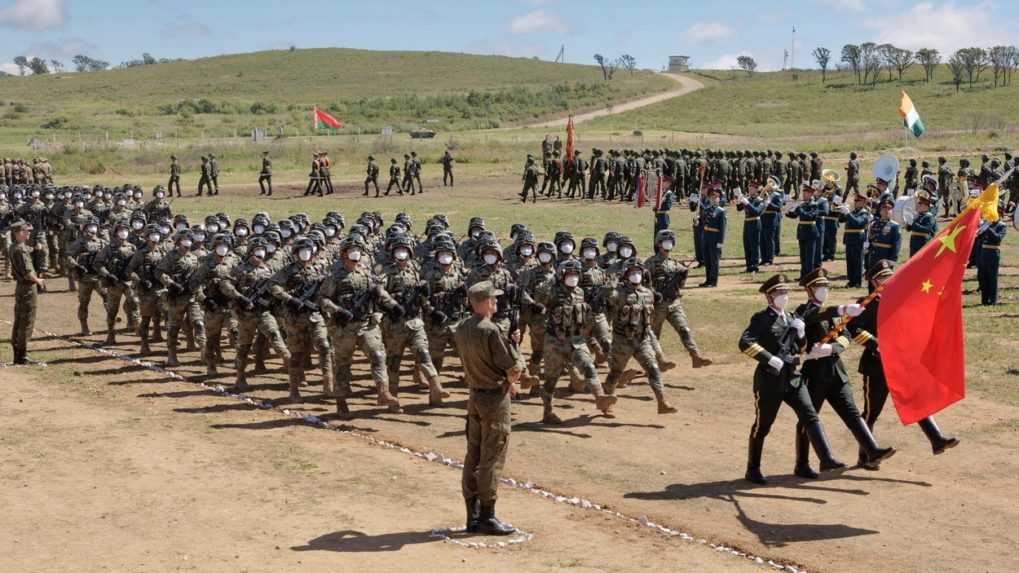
x=823, y=212
x=771, y=221
x=807, y=234
x=864, y=329
x=25, y=295
x=752, y=209
x=831, y=232
x=772, y=333
x=990, y=257
x=853, y=237
x=921, y=231
x=712, y=239
x=885, y=240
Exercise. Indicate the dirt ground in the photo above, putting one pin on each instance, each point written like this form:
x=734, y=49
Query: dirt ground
x=118, y=467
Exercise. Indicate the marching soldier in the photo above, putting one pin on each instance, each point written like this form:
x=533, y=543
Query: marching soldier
x=825, y=375
x=853, y=174
x=394, y=177
x=532, y=310
x=372, y=177
x=668, y=277
x=593, y=280
x=417, y=171
x=494, y=271
x=205, y=179
x=325, y=171
x=213, y=175
x=864, y=329
x=577, y=176
x=174, y=176
x=112, y=266
x=990, y=237
x=82, y=254
x=27, y=283
x=530, y=179
x=923, y=228
x=712, y=236
x=74, y=220
x=774, y=339
x=314, y=177
x=447, y=301
x=265, y=175
x=857, y=222
x=553, y=176
x=447, y=169
x=213, y=277
x=408, y=176
x=174, y=272
x=142, y=269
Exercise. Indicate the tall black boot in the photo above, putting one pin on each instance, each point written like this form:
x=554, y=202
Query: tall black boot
x=755, y=449
x=870, y=452
x=489, y=524
x=939, y=441
x=803, y=468
x=815, y=433
x=473, y=514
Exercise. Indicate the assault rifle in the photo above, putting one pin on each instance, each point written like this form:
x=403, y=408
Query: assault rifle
x=306, y=294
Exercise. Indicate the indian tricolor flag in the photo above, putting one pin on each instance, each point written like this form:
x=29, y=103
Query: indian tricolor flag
x=910, y=118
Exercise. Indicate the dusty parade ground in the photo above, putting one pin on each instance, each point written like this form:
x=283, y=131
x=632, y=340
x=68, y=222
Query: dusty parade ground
x=113, y=465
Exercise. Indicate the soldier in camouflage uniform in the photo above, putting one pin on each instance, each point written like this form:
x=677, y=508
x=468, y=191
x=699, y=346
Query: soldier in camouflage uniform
x=668, y=276
x=447, y=301
x=372, y=176
x=157, y=207
x=349, y=297
x=174, y=272
x=142, y=269
x=631, y=306
x=213, y=272
x=111, y=264
x=35, y=212
x=82, y=254
x=492, y=269
x=593, y=280
x=568, y=323
x=532, y=312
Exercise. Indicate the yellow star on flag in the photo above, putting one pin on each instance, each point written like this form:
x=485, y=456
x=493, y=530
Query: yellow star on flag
x=926, y=286
x=948, y=240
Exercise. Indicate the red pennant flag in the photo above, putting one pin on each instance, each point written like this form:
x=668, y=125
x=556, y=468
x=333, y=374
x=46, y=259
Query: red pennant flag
x=641, y=193
x=569, y=139
x=322, y=117
x=920, y=322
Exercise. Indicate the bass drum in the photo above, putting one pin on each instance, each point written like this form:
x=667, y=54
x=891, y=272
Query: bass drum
x=904, y=211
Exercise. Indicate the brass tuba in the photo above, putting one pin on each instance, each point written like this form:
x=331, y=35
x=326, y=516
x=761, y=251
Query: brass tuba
x=830, y=178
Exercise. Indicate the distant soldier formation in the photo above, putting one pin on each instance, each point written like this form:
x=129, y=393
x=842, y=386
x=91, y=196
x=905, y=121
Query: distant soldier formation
x=15, y=171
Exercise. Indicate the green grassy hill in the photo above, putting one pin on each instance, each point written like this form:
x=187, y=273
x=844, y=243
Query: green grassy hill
x=773, y=105
x=227, y=95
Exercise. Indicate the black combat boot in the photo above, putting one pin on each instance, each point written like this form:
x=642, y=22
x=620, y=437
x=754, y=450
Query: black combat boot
x=473, y=514
x=754, y=451
x=871, y=454
x=815, y=433
x=489, y=524
x=939, y=441
x=803, y=468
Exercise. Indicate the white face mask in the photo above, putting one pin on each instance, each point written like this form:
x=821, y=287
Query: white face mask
x=626, y=252
x=304, y=254
x=212, y=229
x=260, y=253
x=589, y=253
x=91, y=229
x=780, y=301
x=445, y=259
x=160, y=195
x=181, y=226
x=186, y=243
x=121, y=203
x=401, y=254
x=544, y=257
x=137, y=225
x=566, y=248
x=259, y=229
x=222, y=250
x=635, y=278
x=475, y=234
x=122, y=234
x=821, y=294
x=285, y=233
x=241, y=232
x=571, y=280
x=164, y=230
x=79, y=204
x=330, y=232
x=354, y=255
x=667, y=245
x=491, y=259
x=527, y=250
x=154, y=237
x=270, y=248
x=200, y=237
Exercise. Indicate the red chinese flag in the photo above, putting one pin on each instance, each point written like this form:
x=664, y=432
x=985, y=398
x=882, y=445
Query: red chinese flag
x=920, y=323
x=569, y=139
x=323, y=118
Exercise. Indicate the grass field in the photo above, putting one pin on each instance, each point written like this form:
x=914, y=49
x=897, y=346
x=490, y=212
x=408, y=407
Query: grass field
x=773, y=104
x=227, y=96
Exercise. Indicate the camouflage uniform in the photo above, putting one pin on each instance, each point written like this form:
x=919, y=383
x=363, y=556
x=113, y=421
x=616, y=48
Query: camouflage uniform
x=254, y=315
x=142, y=269
x=83, y=253
x=112, y=263
x=446, y=307
x=174, y=272
x=305, y=326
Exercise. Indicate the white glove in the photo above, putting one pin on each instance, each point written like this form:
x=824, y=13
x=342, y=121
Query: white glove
x=852, y=310
x=819, y=351
x=776, y=364
x=800, y=327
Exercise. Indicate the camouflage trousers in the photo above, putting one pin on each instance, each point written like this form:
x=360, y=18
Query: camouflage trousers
x=114, y=295
x=674, y=314
x=367, y=337
x=488, y=430
x=150, y=311
x=179, y=311
x=601, y=335
x=304, y=332
x=40, y=253
x=439, y=339
x=215, y=320
x=562, y=354
x=536, y=332
x=5, y=248
x=85, y=289
x=402, y=335
x=248, y=325
x=640, y=348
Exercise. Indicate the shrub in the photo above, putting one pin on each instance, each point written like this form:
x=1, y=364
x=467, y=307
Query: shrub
x=55, y=123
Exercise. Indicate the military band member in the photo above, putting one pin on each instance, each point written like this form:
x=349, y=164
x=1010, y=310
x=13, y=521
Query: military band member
x=991, y=235
x=712, y=236
x=753, y=207
x=771, y=220
x=855, y=235
x=885, y=235
x=807, y=213
x=922, y=228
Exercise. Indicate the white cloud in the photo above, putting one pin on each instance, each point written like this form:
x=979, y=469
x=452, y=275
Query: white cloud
x=62, y=48
x=945, y=27
x=729, y=62
x=538, y=21
x=34, y=14
x=845, y=5
x=10, y=68
x=708, y=32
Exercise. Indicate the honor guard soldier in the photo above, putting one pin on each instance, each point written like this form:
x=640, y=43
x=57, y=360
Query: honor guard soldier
x=27, y=285
x=825, y=374
x=807, y=214
x=774, y=340
x=864, y=329
x=713, y=235
x=854, y=236
x=668, y=277
x=925, y=225
x=885, y=235
x=771, y=220
x=753, y=207
x=990, y=237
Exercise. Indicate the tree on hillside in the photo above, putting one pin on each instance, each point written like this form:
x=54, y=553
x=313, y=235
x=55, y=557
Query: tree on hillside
x=929, y=59
x=870, y=61
x=747, y=64
x=958, y=68
x=823, y=57
x=608, y=67
x=57, y=66
x=887, y=54
x=148, y=60
x=901, y=59
x=627, y=62
x=38, y=66
x=851, y=57
x=1013, y=64
x=1001, y=58
x=84, y=63
x=975, y=62
x=22, y=63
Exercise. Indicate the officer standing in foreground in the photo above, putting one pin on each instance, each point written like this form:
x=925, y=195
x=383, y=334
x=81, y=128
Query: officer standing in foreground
x=492, y=366
x=25, y=297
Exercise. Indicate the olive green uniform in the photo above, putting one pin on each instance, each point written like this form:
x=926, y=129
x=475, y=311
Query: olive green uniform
x=25, y=298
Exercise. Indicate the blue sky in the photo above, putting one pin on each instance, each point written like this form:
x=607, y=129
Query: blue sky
x=712, y=33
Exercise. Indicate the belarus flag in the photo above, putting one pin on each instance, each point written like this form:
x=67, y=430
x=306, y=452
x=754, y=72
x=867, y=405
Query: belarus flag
x=323, y=119
x=910, y=118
